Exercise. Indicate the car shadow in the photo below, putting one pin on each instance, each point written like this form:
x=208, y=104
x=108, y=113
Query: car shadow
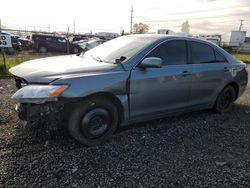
x=39, y=135
x=161, y=146
x=186, y=115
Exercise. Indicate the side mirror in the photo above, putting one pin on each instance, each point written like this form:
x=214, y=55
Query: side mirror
x=151, y=62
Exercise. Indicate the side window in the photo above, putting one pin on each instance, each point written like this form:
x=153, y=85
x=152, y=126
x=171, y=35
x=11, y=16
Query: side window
x=171, y=52
x=201, y=53
x=54, y=39
x=48, y=39
x=219, y=57
x=63, y=40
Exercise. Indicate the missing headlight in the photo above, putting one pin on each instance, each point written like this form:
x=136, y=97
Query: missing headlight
x=20, y=82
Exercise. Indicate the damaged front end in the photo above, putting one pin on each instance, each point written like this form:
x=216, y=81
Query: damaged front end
x=38, y=104
x=46, y=115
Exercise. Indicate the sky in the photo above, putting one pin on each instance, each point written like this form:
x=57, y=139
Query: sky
x=204, y=16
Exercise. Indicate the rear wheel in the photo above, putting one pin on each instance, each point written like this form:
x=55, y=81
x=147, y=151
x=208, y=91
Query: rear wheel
x=225, y=100
x=42, y=49
x=93, y=121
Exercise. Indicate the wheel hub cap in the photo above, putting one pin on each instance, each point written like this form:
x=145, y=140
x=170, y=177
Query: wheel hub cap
x=95, y=123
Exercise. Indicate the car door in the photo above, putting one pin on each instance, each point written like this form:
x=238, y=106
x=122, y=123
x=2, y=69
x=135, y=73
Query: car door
x=209, y=69
x=51, y=43
x=157, y=90
x=62, y=44
x=56, y=44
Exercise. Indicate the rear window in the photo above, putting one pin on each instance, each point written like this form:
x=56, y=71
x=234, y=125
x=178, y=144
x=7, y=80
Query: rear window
x=202, y=53
x=219, y=57
x=38, y=37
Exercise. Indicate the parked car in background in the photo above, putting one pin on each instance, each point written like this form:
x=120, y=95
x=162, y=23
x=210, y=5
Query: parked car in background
x=25, y=43
x=130, y=79
x=16, y=44
x=51, y=43
x=89, y=44
x=79, y=38
x=214, y=40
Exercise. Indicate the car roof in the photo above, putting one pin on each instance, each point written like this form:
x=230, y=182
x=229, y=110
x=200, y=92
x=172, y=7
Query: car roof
x=46, y=35
x=164, y=37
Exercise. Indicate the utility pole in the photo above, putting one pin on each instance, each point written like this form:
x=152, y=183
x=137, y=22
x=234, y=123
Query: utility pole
x=49, y=28
x=74, y=26
x=2, y=50
x=241, y=24
x=68, y=40
x=131, y=19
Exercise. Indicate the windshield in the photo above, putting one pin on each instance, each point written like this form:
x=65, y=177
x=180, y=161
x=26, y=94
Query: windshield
x=125, y=47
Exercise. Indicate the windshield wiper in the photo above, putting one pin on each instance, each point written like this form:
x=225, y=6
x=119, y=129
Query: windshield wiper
x=119, y=61
x=97, y=58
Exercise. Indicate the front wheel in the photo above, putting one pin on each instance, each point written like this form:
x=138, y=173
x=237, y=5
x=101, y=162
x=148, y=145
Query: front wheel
x=93, y=121
x=225, y=100
x=75, y=50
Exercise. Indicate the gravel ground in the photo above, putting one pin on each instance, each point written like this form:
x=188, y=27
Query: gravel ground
x=200, y=149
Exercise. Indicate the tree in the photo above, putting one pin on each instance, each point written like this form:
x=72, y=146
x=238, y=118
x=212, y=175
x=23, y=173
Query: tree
x=185, y=27
x=140, y=28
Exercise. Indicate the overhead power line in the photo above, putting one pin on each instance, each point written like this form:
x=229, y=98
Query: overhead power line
x=210, y=10
x=197, y=18
x=199, y=11
x=131, y=18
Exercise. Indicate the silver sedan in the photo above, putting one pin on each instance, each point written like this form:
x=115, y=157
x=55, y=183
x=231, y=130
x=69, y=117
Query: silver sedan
x=130, y=79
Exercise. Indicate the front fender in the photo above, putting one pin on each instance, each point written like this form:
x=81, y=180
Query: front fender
x=115, y=83
x=81, y=86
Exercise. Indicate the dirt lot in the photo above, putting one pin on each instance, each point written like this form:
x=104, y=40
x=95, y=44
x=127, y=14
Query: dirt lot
x=200, y=149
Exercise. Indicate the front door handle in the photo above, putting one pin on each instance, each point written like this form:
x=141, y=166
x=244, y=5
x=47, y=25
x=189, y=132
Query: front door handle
x=185, y=73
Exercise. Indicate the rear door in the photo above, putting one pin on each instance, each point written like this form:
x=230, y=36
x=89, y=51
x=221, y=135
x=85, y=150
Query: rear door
x=157, y=90
x=209, y=69
x=57, y=44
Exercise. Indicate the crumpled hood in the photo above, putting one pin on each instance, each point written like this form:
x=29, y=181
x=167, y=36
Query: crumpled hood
x=46, y=70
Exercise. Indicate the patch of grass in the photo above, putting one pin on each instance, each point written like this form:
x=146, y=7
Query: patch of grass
x=243, y=57
x=13, y=60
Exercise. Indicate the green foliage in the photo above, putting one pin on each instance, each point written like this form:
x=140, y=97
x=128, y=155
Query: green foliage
x=140, y=28
x=243, y=57
x=13, y=60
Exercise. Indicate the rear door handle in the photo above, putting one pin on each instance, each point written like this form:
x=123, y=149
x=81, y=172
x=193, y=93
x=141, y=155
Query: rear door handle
x=185, y=73
x=226, y=69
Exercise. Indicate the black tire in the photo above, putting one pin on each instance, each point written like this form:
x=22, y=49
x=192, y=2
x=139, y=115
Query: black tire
x=10, y=50
x=42, y=49
x=93, y=121
x=225, y=100
x=75, y=50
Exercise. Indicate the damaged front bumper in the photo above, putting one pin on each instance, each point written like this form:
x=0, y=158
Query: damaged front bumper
x=39, y=105
x=47, y=115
